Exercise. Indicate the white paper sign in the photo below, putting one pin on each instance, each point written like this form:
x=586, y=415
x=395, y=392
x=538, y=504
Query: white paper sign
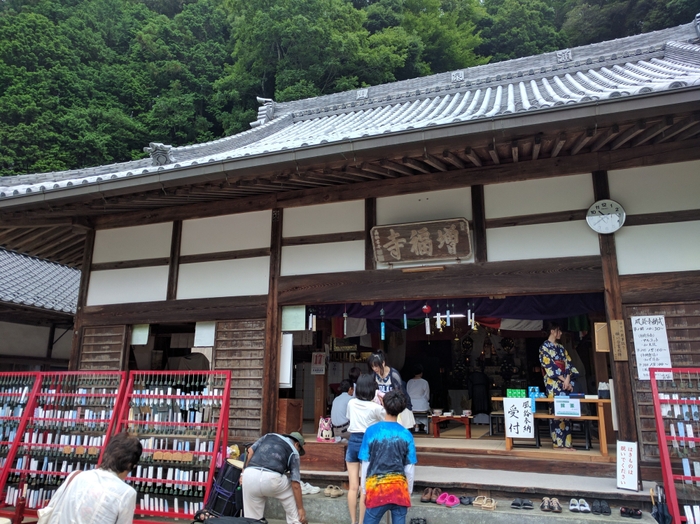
x=651, y=346
x=567, y=407
x=627, y=465
x=518, y=418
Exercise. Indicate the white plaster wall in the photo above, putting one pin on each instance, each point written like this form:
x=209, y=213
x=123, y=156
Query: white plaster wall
x=31, y=341
x=224, y=278
x=420, y=207
x=562, y=239
x=533, y=197
x=322, y=219
x=656, y=189
x=323, y=258
x=123, y=286
x=132, y=243
x=658, y=248
x=226, y=233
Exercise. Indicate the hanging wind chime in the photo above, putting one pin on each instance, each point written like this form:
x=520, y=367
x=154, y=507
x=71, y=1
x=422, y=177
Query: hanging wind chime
x=383, y=333
x=427, y=309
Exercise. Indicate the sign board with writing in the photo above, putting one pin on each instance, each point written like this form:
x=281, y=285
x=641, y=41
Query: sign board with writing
x=422, y=241
x=619, y=340
x=650, y=345
x=518, y=418
x=567, y=407
x=627, y=465
x=318, y=363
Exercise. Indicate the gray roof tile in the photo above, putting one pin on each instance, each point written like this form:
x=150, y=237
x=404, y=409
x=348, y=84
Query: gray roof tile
x=29, y=281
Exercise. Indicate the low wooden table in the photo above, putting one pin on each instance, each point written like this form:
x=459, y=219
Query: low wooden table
x=457, y=418
x=600, y=406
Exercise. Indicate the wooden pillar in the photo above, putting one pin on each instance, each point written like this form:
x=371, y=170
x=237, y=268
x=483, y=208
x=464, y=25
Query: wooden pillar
x=272, y=331
x=370, y=222
x=320, y=395
x=174, y=266
x=82, y=298
x=627, y=426
x=479, y=223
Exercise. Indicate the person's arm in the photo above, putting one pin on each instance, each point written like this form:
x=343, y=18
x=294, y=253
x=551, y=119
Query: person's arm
x=410, y=471
x=126, y=511
x=547, y=362
x=363, y=475
x=296, y=489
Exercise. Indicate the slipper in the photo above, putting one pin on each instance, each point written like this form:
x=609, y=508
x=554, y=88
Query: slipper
x=573, y=505
x=595, y=508
x=546, y=504
x=327, y=491
x=436, y=494
x=427, y=493
x=451, y=501
x=516, y=504
x=635, y=513
x=604, y=508
x=624, y=512
x=479, y=501
x=336, y=492
x=467, y=501
x=489, y=504
x=527, y=504
x=583, y=506
x=556, y=507
x=442, y=498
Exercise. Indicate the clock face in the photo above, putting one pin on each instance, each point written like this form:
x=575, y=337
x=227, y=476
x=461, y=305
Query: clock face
x=605, y=216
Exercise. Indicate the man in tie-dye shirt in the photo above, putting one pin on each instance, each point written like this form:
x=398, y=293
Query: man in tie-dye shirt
x=388, y=456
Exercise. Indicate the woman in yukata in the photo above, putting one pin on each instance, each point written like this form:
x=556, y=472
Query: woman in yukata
x=559, y=377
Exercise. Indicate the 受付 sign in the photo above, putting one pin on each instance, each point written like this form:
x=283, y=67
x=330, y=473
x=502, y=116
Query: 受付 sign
x=519, y=422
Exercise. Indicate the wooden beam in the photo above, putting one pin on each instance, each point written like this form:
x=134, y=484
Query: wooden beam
x=677, y=128
x=665, y=217
x=536, y=146
x=44, y=250
x=583, y=140
x=40, y=235
x=472, y=156
x=272, y=330
x=654, y=130
x=493, y=153
x=128, y=264
x=326, y=238
x=82, y=298
x=370, y=222
x=174, y=262
x=628, y=135
x=479, y=223
x=690, y=132
x=514, y=151
x=540, y=218
x=432, y=161
x=362, y=174
x=414, y=164
x=605, y=137
x=675, y=286
x=225, y=255
x=558, y=144
x=453, y=159
x=520, y=277
x=398, y=168
x=370, y=168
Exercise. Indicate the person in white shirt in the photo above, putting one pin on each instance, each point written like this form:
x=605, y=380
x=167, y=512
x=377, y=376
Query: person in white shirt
x=419, y=391
x=339, y=410
x=101, y=495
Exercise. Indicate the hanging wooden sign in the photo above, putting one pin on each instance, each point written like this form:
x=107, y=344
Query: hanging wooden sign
x=422, y=241
x=619, y=340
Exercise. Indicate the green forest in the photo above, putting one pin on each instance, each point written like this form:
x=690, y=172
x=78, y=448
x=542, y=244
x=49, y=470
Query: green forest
x=91, y=82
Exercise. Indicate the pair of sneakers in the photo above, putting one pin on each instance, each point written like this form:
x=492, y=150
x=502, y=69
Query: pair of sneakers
x=579, y=506
x=308, y=489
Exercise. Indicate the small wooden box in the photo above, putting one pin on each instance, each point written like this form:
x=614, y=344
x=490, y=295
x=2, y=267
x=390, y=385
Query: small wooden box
x=289, y=417
x=324, y=456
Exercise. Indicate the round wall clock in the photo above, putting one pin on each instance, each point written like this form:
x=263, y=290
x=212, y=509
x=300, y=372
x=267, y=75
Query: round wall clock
x=605, y=216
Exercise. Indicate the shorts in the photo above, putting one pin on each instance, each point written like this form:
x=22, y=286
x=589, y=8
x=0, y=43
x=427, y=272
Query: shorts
x=354, y=444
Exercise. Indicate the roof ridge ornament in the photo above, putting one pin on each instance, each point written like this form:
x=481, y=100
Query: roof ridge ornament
x=266, y=111
x=697, y=24
x=159, y=153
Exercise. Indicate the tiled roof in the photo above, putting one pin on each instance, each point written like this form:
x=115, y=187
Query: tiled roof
x=651, y=63
x=33, y=282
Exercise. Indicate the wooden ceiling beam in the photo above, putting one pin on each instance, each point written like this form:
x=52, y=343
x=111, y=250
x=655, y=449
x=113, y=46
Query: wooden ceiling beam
x=536, y=146
x=472, y=156
x=605, y=137
x=377, y=170
x=453, y=159
x=677, y=128
x=362, y=174
x=414, y=164
x=397, y=168
x=432, y=161
x=493, y=153
x=688, y=133
x=628, y=135
x=586, y=137
x=558, y=144
x=73, y=258
x=514, y=151
x=68, y=248
x=32, y=236
x=654, y=130
x=44, y=249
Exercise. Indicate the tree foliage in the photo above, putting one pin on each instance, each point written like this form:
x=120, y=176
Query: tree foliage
x=90, y=82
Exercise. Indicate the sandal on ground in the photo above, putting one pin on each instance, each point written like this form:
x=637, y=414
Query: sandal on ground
x=635, y=513
x=333, y=492
x=516, y=504
x=556, y=507
x=442, y=498
x=489, y=504
x=451, y=501
x=427, y=493
x=527, y=504
x=573, y=506
x=595, y=507
x=604, y=508
x=467, y=501
x=546, y=504
x=583, y=506
x=327, y=491
x=436, y=494
x=479, y=501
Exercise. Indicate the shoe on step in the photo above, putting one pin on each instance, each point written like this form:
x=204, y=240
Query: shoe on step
x=427, y=494
x=573, y=506
x=583, y=506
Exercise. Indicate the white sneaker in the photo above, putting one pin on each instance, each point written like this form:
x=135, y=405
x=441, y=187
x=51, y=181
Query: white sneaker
x=312, y=489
